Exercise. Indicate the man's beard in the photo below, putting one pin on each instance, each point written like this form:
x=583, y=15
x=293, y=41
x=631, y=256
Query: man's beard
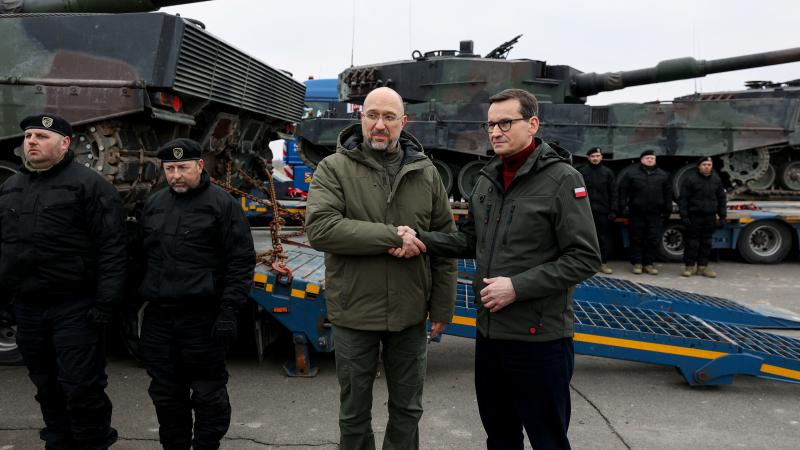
x=389, y=145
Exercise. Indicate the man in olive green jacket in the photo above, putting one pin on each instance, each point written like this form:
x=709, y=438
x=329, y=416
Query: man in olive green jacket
x=531, y=231
x=379, y=177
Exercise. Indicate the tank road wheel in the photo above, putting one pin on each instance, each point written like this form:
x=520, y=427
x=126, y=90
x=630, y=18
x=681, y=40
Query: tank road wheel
x=468, y=177
x=672, y=243
x=744, y=166
x=789, y=175
x=445, y=173
x=765, y=242
x=9, y=352
x=678, y=178
x=7, y=168
x=312, y=154
x=764, y=181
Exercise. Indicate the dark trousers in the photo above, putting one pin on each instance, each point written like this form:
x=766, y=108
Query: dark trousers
x=524, y=385
x=188, y=374
x=698, y=239
x=404, y=361
x=645, y=231
x=604, y=229
x=65, y=357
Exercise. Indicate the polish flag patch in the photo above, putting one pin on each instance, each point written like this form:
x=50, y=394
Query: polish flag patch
x=580, y=192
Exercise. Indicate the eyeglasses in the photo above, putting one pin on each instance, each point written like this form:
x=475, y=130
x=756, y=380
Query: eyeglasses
x=388, y=119
x=504, y=124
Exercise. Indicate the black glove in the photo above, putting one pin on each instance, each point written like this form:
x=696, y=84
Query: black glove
x=7, y=315
x=721, y=223
x=224, y=331
x=100, y=314
x=686, y=221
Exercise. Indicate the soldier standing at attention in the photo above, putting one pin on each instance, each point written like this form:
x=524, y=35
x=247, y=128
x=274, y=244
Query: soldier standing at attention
x=703, y=208
x=62, y=263
x=646, y=193
x=529, y=228
x=198, y=266
x=379, y=177
x=600, y=185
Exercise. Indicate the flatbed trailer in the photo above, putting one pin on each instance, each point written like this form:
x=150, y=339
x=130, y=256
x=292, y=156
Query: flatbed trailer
x=705, y=351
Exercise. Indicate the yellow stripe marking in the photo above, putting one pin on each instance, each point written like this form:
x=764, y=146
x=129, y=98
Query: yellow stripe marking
x=244, y=204
x=298, y=293
x=648, y=346
x=461, y=320
x=260, y=277
x=269, y=288
x=312, y=288
x=780, y=371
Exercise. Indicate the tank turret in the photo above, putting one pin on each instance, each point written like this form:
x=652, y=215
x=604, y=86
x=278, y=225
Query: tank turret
x=88, y=6
x=754, y=134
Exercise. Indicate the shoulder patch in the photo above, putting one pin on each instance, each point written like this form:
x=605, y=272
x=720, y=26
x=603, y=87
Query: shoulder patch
x=580, y=192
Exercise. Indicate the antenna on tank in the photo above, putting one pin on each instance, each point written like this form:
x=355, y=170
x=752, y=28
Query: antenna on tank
x=353, y=38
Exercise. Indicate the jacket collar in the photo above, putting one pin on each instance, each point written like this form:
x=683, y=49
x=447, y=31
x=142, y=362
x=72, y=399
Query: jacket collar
x=205, y=181
x=69, y=156
x=544, y=155
x=351, y=144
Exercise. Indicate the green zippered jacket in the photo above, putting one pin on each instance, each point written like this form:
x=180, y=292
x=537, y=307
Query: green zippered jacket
x=352, y=215
x=540, y=233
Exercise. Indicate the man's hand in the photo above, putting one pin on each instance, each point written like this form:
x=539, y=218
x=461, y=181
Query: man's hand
x=436, y=329
x=411, y=245
x=498, y=293
x=7, y=315
x=224, y=331
x=720, y=223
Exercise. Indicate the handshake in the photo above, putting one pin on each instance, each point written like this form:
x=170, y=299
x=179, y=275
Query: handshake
x=411, y=245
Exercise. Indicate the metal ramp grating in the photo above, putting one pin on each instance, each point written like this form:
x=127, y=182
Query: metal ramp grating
x=761, y=342
x=613, y=283
x=465, y=297
x=700, y=299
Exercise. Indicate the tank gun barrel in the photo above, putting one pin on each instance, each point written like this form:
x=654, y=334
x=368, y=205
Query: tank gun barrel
x=585, y=84
x=95, y=6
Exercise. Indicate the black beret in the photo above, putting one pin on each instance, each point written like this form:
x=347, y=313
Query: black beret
x=704, y=159
x=594, y=150
x=180, y=149
x=647, y=153
x=49, y=122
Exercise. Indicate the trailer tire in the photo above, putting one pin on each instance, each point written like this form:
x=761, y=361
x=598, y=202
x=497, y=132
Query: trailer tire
x=672, y=243
x=765, y=242
x=9, y=352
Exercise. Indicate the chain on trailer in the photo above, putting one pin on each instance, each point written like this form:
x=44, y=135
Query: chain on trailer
x=275, y=257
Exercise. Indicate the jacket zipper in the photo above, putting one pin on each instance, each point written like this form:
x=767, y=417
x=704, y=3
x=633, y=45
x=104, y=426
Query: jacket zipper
x=508, y=224
x=491, y=258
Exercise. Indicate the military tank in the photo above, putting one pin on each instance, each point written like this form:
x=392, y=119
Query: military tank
x=129, y=79
x=753, y=134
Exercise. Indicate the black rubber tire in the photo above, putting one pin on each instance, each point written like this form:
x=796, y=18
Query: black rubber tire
x=765, y=242
x=9, y=352
x=678, y=177
x=445, y=173
x=467, y=177
x=672, y=243
x=7, y=168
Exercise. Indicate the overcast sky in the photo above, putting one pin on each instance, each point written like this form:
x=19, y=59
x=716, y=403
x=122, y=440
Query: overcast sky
x=315, y=37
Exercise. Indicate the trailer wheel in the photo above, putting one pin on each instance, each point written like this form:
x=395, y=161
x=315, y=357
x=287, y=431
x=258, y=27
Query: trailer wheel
x=672, y=243
x=765, y=242
x=9, y=352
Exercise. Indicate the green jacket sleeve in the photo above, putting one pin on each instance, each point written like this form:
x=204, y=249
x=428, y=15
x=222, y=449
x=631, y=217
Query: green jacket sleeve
x=443, y=269
x=577, y=239
x=329, y=230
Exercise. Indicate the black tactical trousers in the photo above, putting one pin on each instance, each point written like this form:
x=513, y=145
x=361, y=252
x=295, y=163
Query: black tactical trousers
x=65, y=357
x=524, y=385
x=645, y=231
x=698, y=239
x=604, y=229
x=188, y=374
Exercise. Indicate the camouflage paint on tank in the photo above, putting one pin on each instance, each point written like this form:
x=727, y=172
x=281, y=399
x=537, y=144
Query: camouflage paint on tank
x=447, y=96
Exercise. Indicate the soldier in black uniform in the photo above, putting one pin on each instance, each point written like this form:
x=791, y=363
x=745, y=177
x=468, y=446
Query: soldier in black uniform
x=646, y=193
x=600, y=186
x=62, y=262
x=198, y=267
x=703, y=207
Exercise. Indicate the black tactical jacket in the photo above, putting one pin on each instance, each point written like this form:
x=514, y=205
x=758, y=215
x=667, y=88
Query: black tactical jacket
x=197, y=249
x=600, y=186
x=63, y=233
x=645, y=191
x=702, y=194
